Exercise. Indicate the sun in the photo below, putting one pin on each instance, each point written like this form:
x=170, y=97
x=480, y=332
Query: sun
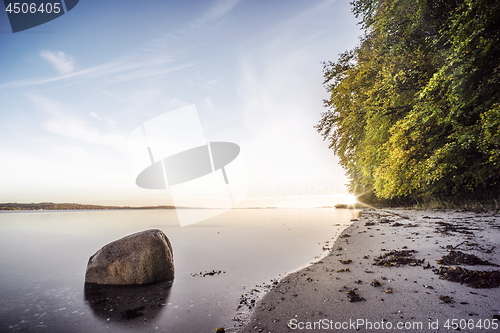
x=351, y=200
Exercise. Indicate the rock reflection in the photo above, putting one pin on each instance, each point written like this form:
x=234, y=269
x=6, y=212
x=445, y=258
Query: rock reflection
x=126, y=303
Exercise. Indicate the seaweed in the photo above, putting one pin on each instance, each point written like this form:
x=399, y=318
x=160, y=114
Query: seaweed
x=353, y=297
x=446, y=228
x=458, y=257
x=397, y=258
x=345, y=262
x=208, y=273
x=446, y=299
x=474, y=279
x=375, y=283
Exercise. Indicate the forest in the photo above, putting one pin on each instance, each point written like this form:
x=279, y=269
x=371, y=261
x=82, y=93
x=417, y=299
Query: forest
x=414, y=110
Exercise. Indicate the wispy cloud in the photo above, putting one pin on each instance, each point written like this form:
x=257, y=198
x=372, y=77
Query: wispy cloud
x=160, y=56
x=199, y=31
x=105, y=119
x=210, y=104
x=62, y=62
x=173, y=103
x=304, y=17
x=211, y=17
x=115, y=71
x=64, y=123
x=118, y=70
x=74, y=128
x=220, y=8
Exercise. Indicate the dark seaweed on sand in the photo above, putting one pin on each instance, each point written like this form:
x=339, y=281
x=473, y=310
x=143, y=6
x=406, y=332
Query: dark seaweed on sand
x=397, y=258
x=446, y=228
x=346, y=262
x=458, y=257
x=212, y=273
x=474, y=279
x=353, y=297
x=446, y=299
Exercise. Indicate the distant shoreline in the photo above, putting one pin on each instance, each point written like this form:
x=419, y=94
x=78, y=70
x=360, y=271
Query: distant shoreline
x=75, y=206
x=69, y=206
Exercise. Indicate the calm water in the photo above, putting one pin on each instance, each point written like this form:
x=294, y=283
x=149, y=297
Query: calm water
x=44, y=256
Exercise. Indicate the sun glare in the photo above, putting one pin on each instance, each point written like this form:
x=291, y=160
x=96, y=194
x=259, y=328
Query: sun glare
x=350, y=199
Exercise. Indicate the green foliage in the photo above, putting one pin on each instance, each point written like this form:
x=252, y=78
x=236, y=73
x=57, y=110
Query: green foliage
x=414, y=110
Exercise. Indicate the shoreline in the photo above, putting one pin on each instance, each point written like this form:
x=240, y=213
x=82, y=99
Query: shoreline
x=250, y=299
x=323, y=297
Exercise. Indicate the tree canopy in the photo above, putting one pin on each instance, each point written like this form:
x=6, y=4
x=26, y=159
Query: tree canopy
x=414, y=109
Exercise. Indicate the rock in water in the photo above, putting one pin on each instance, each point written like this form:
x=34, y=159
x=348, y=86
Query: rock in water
x=140, y=258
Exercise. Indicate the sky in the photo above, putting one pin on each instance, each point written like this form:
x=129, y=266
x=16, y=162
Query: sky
x=73, y=89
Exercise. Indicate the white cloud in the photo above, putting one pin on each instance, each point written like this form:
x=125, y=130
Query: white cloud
x=220, y=8
x=145, y=96
x=210, y=103
x=158, y=57
x=307, y=16
x=212, y=18
x=67, y=125
x=107, y=120
x=173, y=103
x=115, y=71
x=62, y=62
x=76, y=129
x=95, y=115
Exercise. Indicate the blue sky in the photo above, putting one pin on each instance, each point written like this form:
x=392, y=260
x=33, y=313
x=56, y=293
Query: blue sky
x=72, y=90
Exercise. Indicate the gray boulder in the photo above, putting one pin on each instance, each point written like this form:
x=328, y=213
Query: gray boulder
x=140, y=258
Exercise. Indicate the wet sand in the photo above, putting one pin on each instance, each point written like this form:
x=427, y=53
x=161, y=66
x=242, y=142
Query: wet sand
x=350, y=291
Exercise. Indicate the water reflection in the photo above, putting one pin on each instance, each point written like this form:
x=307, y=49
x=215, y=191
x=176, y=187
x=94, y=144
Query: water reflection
x=126, y=303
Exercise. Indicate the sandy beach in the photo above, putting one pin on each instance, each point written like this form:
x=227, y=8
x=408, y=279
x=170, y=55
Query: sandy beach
x=383, y=275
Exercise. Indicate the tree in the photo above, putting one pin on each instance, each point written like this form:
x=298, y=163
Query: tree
x=414, y=110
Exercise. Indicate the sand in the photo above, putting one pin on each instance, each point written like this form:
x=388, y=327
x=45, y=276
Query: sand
x=409, y=297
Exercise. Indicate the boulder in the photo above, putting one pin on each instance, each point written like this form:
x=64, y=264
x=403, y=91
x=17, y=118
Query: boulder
x=141, y=258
